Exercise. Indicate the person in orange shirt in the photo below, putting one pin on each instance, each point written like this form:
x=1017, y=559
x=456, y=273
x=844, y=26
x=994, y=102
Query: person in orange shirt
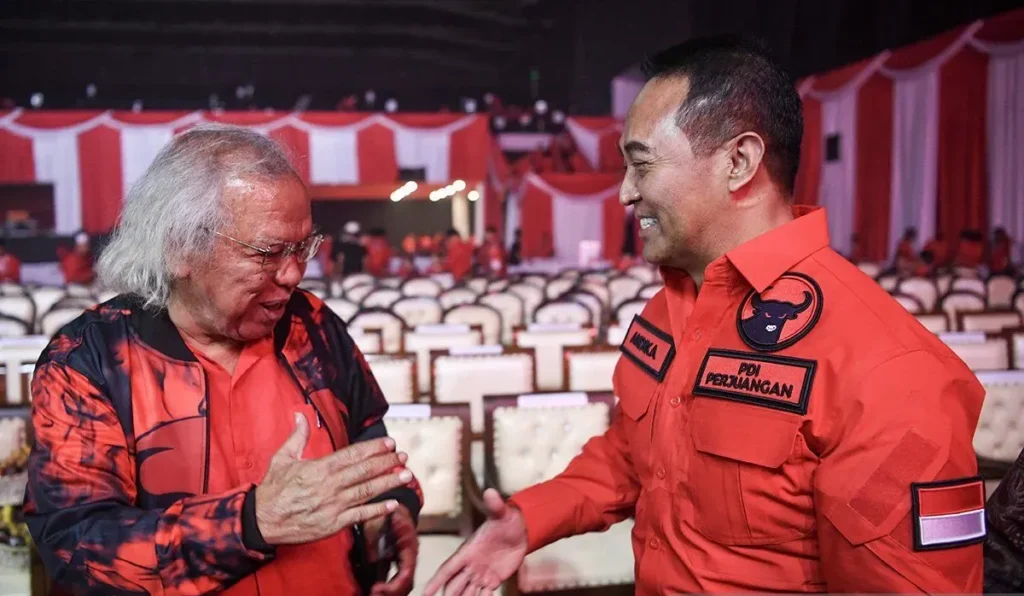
x=378, y=254
x=458, y=259
x=970, y=250
x=999, y=259
x=10, y=265
x=77, y=264
x=783, y=424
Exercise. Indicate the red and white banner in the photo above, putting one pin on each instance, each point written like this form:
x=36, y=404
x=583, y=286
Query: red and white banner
x=585, y=207
x=93, y=158
x=926, y=136
x=597, y=140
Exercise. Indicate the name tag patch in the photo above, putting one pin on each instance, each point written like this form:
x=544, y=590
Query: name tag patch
x=777, y=382
x=948, y=514
x=648, y=347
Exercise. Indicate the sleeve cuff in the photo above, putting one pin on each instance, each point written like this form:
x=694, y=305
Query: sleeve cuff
x=548, y=514
x=251, y=536
x=406, y=497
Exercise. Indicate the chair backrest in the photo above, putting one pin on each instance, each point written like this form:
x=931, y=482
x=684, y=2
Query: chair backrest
x=954, y=302
x=466, y=378
x=558, y=287
x=445, y=280
x=79, y=291
x=390, y=282
x=316, y=286
x=1017, y=349
x=425, y=339
x=969, y=284
x=532, y=438
x=992, y=354
x=623, y=289
x=390, y=325
x=487, y=317
x=345, y=309
x=600, y=290
x=498, y=285
x=596, y=277
x=616, y=334
x=19, y=307
x=357, y=293
x=535, y=280
x=356, y=279
x=549, y=342
x=968, y=272
x=381, y=298
x=590, y=368
x=19, y=354
x=531, y=295
x=56, y=318
x=644, y=273
x=418, y=310
x=396, y=375
x=571, y=274
x=45, y=297
x=457, y=296
x=1001, y=289
x=870, y=269
x=369, y=341
x=478, y=284
x=921, y=288
x=992, y=321
x=943, y=281
x=889, y=281
x=935, y=322
x=593, y=304
x=647, y=292
x=911, y=303
x=422, y=286
x=560, y=312
x=512, y=311
x=1018, y=301
x=1000, y=433
x=437, y=439
x=9, y=288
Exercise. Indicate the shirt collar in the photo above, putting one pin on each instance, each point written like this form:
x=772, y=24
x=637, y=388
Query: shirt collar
x=765, y=258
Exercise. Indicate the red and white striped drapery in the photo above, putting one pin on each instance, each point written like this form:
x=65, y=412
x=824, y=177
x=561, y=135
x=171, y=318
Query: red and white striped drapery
x=929, y=136
x=93, y=158
x=597, y=140
x=561, y=210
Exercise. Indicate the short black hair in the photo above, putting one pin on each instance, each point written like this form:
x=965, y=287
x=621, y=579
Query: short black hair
x=909, y=233
x=735, y=85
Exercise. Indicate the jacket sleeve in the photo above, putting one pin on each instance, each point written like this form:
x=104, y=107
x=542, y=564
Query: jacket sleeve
x=79, y=505
x=1004, y=548
x=599, y=488
x=902, y=453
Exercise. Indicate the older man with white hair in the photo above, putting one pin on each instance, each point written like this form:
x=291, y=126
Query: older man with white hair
x=214, y=428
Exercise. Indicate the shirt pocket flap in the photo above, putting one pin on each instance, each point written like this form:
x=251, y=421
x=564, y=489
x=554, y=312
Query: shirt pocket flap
x=739, y=432
x=634, y=388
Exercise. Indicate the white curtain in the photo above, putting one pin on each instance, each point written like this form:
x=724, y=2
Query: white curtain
x=588, y=142
x=914, y=155
x=1006, y=144
x=575, y=220
x=428, y=149
x=837, y=188
x=333, y=156
x=56, y=161
x=139, y=147
x=625, y=88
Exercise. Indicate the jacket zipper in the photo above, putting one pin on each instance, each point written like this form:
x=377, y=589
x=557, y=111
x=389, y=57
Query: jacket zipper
x=206, y=396
x=319, y=418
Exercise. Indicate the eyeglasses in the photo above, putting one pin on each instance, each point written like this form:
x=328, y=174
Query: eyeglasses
x=305, y=250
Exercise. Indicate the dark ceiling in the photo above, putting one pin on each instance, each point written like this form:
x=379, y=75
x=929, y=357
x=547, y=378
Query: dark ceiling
x=426, y=53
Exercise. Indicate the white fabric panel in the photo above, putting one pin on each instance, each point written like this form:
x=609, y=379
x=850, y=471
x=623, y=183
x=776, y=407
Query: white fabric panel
x=333, y=155
x=139, y=147
x=1006, y=144
x=574, y=221
x=625, y=88
x=588, y=142
x=424, y=148
x=56, y=161
x=837, y=190
x=914, y=155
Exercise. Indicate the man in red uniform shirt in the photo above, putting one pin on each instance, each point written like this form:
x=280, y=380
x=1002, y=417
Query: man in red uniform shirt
x=76, y=264
x=491, y=255
x=458, y=259
x=10, y=265
x=783, y=424
x=378, y=254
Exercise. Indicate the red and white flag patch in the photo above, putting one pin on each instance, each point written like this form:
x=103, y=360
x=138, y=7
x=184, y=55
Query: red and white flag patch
x=948, y=514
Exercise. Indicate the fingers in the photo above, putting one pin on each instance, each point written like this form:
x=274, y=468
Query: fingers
x=494, y=504
x=459, y=585
x=447, y=571
x=296, y=442
x=368, y=469
x=357, y=452
x=360, y=493
x=362, y=513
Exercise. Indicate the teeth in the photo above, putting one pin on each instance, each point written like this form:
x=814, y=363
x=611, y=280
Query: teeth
x=646, y=222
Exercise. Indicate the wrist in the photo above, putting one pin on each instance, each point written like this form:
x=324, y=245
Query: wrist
x=253, y=524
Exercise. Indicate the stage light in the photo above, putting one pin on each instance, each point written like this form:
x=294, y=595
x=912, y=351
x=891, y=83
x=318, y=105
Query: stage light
x=488, y=98
x=473, y=195
x=558, y=116
x=391, y=105
x=370, y=96
x=459, y=185
x=541, y=107
x=90, y=90
x=469, y=105
x=36, y=100
x=137, y=106
x=395, y=197
x=525, y=119
x=436, y=196
x=499, y=122
x=240, y=92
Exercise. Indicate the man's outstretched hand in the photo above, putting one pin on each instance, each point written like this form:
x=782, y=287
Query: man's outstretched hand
x=489, y=557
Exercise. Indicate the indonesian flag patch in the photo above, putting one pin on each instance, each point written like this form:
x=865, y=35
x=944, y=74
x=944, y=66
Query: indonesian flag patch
x=948, y=514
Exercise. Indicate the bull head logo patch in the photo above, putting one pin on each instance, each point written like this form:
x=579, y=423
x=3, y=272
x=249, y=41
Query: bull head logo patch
x=781, y=315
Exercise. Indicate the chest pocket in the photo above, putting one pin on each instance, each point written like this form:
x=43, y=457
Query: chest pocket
x=637, y=393
x=750, y=474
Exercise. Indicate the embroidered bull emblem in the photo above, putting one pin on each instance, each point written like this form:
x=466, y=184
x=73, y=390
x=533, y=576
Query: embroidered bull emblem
x=781, y=315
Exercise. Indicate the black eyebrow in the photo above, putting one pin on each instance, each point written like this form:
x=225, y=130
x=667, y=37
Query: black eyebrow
x=636, y=147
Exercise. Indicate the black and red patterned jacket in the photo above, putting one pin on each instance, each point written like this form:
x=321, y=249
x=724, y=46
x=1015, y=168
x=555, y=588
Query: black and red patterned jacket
x=118, y=386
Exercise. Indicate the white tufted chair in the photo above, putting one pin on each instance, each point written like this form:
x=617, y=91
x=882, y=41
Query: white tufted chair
x=1000, y=434
x=1001, y=289
x=12, y=289
x=422, y=340
x=870, y=269
x=535, y=280
x=921, y=288
x=557, y=287
x=396, y=376
x=531, y=295
x=381, y=298
x=644, y=273
x=623, y=289
x=596, y=277
x=343, y=308
x=457, y=296
x=79, y=291
x=356, y=279
x=629, y=309
x=943, y=282
x=549, y=344
x=992, y=354
x=590, y=368
x=968, y=272
x=531, y=439
x=989, y=321
x=571, y=274
x=911, y=303
x=1018, y=301
x=336, y=291
x=420, y=310
x=953, y=338
x=562, y=312
x=20, y=308
x=45, y=298
x=600, y=290
x=20, y=354
x=357, y=293
x=955, y=302
x=105, y=295
x=437, y=439
x=446, y=280
x=477, y=284
x=315, y=286
x=934, y=322
x=615, y=335
x=969, y=284
x=1017, y=349
x=593, y=304
x=647, y=292
x=511, y=308
x=889, y=281
x=391, y=282
x=390, y=325
x=498, y=285
x=369, y=341
x=422, y=286
x=56, y=318
x=487, y=317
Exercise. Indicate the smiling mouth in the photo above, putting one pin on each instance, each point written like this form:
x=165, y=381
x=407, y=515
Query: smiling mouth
x=647, y=222
x=770, y=328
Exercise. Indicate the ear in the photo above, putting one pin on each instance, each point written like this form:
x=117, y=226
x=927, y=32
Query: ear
x=745, y=159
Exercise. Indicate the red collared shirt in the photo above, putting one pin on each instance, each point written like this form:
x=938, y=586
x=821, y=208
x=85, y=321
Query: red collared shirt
x=788, y=428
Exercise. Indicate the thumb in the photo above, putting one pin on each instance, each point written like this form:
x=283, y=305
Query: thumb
x=295, y=443
x=494, y=504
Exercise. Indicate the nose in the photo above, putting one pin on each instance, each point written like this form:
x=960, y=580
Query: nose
x=290, y=273
x=628, y=193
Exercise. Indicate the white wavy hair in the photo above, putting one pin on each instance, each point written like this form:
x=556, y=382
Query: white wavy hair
x=170, y=214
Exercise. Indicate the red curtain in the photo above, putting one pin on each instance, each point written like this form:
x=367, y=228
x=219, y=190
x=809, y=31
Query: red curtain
x=99, y=169
x=874, y=175
x=297, y=143
x=536, y=222
x=808, y=176
x=537, y=211
x=17, y=163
